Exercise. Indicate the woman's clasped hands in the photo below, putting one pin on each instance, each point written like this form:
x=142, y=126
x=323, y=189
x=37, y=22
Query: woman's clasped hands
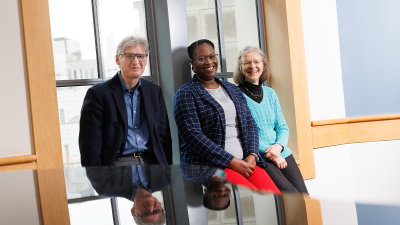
x=273, y=153
x=245, y=168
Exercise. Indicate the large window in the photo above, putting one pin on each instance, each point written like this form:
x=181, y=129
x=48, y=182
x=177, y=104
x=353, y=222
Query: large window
x=230, y=25
x=84, y=56
x=86, y=32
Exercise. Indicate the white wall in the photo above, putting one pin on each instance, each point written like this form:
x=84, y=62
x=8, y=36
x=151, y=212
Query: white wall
x=324, y=73
x=15, y=122
x=376, y=168
x=19, y=198
x=18, y=189
x=345, y=174
x=334, y=185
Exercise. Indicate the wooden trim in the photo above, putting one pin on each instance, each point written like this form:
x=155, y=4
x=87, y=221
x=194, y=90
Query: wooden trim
x=356, y=119
x=53, y=196
x=294, y=208
x=374, y=131
x=328, y=135
x=285, y=51
x=314, y=213
x=355, y=132
x=44, y=111
x=20, y=166
x=18, y=159
x=42, y=83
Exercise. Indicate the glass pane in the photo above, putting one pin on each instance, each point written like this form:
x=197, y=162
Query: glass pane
x=77, y=183
x=70, y=101
x=119, y=19
x=230, y=80
x=240, y=28
x=257, y=208
x=91, y=212
x=202, y=22
x=74, y=47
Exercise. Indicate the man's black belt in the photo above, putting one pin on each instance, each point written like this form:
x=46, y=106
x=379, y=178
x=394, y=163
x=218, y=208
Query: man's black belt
x=135, y=154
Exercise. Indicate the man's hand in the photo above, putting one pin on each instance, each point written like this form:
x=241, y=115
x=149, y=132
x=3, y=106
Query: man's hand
x=273, y=151
x=251, y=160
x=242, y=167
x=280, y=162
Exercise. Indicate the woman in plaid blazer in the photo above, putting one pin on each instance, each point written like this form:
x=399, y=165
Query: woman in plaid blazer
x=201, y=123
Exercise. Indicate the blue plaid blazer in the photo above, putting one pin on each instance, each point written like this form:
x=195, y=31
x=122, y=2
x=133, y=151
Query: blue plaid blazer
x=201, y=174
x=201, y=125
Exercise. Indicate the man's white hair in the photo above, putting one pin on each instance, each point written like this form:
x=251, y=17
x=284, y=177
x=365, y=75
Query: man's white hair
x=132, y=41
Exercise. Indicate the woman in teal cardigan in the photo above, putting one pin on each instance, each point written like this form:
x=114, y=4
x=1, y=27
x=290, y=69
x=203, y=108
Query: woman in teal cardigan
x=251, y=72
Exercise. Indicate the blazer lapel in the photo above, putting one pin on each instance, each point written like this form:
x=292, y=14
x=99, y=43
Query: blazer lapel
x=119, y=99
x=203, y=93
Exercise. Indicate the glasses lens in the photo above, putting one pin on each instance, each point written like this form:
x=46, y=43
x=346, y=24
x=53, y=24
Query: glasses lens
x=141, y=57
x=201, y=59
x=129, y=56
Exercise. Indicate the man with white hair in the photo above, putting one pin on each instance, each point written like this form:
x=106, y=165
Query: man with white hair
x=124, y=120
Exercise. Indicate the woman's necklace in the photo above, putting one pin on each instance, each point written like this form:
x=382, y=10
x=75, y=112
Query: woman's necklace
x=255, y=96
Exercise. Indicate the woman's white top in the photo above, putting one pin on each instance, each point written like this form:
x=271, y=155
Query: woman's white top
x=232, y=139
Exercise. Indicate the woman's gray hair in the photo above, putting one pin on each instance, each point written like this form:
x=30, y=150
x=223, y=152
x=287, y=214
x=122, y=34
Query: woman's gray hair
x=238, y=75
x=131, y=41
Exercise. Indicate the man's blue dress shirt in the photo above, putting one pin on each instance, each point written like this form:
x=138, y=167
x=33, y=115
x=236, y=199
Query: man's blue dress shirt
x=138, y=131
x=139, y=177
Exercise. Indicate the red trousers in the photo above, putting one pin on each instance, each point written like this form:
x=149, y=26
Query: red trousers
x=259, y=181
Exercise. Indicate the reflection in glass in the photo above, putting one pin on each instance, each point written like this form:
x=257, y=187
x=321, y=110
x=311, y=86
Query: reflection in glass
x=119, y=19
x=138, y=184
x=202, y=22
x=91, y=212
x=74, y=47
x=257, y=208
x=240, y=28
x=70, y=101
x=217, y=197
x=77, y=183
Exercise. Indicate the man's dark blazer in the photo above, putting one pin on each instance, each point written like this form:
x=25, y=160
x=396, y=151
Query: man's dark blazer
x=104, y=123
x=117, y=181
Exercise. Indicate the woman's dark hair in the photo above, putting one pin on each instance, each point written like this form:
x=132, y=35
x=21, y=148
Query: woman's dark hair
x=197, y=43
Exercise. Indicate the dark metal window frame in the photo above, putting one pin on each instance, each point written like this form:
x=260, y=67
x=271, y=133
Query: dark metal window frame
x=224, y=74
x=99, y=58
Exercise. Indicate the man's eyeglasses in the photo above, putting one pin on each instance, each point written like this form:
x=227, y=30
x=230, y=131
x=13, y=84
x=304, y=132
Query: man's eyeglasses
x=148, y=213
x=131, y=56
x=213, y=58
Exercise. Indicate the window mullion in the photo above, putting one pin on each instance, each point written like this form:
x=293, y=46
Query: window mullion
x=96, y=26
x=114, y=208
x=151, y=37
x=221, y=40
x=261, y=28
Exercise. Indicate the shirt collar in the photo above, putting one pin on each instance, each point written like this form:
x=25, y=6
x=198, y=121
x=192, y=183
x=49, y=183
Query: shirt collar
x=124, y=86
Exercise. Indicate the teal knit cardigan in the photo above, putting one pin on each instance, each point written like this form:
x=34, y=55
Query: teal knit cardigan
x=271, y=125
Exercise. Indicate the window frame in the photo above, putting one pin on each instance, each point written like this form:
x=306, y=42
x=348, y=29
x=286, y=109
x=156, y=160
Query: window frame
x=224, y=74
x=154, y=71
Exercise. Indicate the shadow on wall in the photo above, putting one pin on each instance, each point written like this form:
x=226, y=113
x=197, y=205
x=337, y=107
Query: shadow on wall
x=180, y=59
